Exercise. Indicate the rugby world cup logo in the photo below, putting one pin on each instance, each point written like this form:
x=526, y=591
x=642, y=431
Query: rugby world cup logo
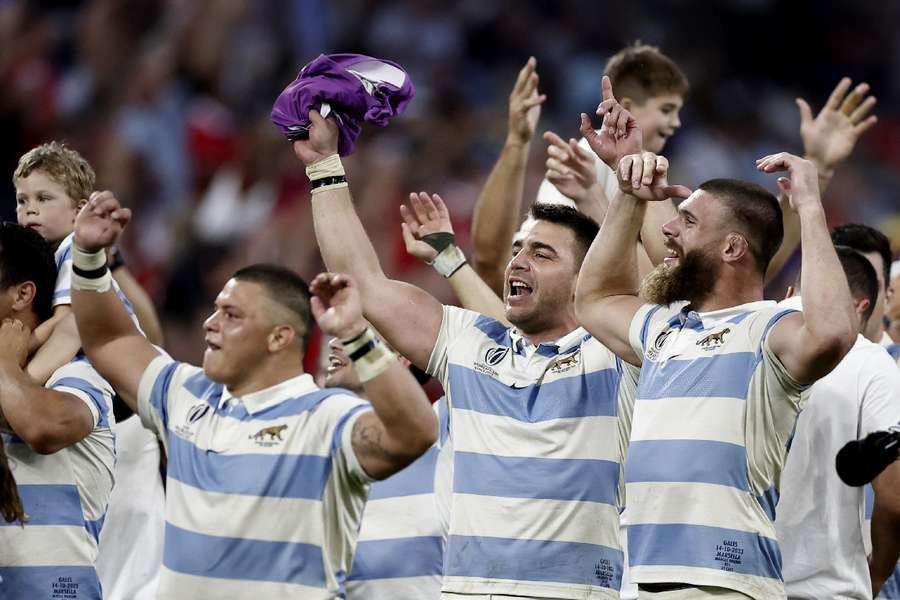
x=494, y=355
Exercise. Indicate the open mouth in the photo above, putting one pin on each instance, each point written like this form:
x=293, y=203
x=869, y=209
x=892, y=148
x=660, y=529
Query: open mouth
x=335, y=363
x=672, y=257
x=211, y=346
x=519, y=289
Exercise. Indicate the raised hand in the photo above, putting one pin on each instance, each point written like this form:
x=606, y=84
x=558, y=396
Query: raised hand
x=100, y=222
x=322, y=141
x=802, y=185
x=428, y=215
x=618, y=136
x=336, y=305
x=645, y=176
x=14, y=338
x=830, y=137
x=570, y=167
x=525, y=105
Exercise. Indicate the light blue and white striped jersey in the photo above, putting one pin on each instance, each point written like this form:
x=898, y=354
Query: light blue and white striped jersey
x=264, y=493
x=399, y=554
x=65, y=495
x=714, y=412
x=62, y=293
x=539, y=435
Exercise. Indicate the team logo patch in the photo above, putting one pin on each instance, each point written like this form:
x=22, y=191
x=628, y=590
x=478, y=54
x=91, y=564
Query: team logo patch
x=196, y=413
x=714, y=340
x=653, y=352
x=567, y=362
x=269, y=436
x=494, y=355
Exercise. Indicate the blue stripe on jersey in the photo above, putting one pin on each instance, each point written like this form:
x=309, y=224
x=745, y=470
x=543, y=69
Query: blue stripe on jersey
x=646, y=326
x=494, y=329
x=11, y=438
x=443, y=421
x=160, y=392
x=543, y=478
x=235, y=558
x=868, y=500
x=94, y=393
x=399, y=557
x=49, y=582
x=710, y=547
x=891, y=588
x=417, y=478
x=723, y=375
x=66, y=293
x=584, y=395
x=534, y=560
x=271, y=475
x=739, y=317
x=894, y=351
x=94, y=527
x=687, y=461
x=339, y=427
x=769, y=500
x=66, y=255
x=48, y=504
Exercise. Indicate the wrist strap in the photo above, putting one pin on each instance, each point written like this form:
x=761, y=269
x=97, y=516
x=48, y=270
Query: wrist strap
x=449, y=261
x=89, y=271
x=370, y=356
x=330, y=166
x=439, y=240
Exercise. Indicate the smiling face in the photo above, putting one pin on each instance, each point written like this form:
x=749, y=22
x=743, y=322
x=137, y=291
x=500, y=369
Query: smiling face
x=658, y=118
x=540, y=279
x=42, y=204
x=340, y=372
x=238, y=333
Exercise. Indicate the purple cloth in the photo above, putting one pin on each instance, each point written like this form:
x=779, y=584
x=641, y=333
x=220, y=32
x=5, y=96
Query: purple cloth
x=354, y=87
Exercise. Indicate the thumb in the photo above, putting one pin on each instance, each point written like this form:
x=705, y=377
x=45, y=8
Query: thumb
x=318, y=308
x=408, y=238
x=805, y=111
x=314, y=117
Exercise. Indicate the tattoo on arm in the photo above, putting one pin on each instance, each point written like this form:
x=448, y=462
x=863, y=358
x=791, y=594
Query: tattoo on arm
x=367, y=440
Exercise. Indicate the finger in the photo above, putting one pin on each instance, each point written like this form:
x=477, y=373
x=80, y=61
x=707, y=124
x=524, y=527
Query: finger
x=857, y=115
x=834, y=100
x=637, y=172
x=554, y=176
x=555, y=165
x=409, y=220
x=417, y=207
x=531, y=85
x=625, y=168
x=805, y=111
x=854, y=98
x=524, y=73
x=408, y=239
x=865, y=126
x=317, y=306
x=558, y=153
x=533, y=101
x=315, y=118
x=606, y=88
x=441, y=207
x=429, y=207
x=606, y=106
x=785, y=184
x=662, y=164
x=677, y=191
x=577, y=150
x=587, y=130
x=622, y=122
x=649, y=169
x=554, y=140
x=612, y=119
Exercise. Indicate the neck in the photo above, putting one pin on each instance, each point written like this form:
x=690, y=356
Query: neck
x=732, y=289
x=873, y=330
x=549, y=334
x=269, y=374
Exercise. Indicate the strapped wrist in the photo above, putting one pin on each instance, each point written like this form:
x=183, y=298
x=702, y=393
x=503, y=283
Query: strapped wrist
x=89, y=270
x=370, y=356
x=449, y=260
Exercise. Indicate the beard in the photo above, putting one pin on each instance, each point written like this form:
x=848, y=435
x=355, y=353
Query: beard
x=692, y=279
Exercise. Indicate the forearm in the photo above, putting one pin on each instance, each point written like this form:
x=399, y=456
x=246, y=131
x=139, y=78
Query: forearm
x=143, y=305
x=43, y=418
x=885, y=526
x=497, y=214
x=828, y=312
x=474, y=294
x=790, y=240
x=404, y=410
x=610, y=267
x=59, y=349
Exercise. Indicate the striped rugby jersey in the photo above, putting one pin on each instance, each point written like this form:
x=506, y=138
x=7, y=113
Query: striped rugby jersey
x=714, y=413
x=264, y=494
x=538, y=439
x=65, y=495
x=399, y=555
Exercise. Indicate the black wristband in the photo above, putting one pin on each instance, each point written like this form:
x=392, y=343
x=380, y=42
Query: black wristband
x=327, y=181
x=362, y=350
x=90, y=274
x=439, y=240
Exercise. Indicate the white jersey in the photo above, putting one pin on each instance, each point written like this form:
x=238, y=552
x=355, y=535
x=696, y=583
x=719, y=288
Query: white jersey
x=129, y=570
x=820, y=521
x=539, y=435
x=264, y=493
x=547, y=192
x=714, y=411
x=64, y=495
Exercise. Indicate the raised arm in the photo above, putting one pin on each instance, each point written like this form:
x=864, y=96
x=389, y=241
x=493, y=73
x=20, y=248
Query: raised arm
x=428, y=234
x=408, y=317
x=114, y=346
x=828, y=140
x=403, y=425
x=138, y=296
x=811, y=343
x=47, y=420
x=499, y=207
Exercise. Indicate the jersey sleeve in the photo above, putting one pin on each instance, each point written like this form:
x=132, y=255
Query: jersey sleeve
x=456, y=321
x=158, y=392
x=81, y=380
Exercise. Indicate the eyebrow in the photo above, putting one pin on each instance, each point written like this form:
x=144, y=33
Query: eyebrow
x=543, y=246
x=685, y=212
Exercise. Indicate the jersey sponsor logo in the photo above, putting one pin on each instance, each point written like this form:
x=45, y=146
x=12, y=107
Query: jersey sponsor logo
x=714, y=340
x=494, y=355
x=269, y=436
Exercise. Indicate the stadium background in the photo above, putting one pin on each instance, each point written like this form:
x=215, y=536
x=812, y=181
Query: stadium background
x=169, y=100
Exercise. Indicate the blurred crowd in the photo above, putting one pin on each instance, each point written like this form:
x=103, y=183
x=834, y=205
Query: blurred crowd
x=170, y=101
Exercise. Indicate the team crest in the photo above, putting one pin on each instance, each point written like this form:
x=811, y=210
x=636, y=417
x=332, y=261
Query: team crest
x=567, y=362
x=714, y=340
x=269, y=436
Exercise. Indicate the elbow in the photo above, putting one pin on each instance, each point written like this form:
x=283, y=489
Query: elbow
x=834, y=346
x=41, y=440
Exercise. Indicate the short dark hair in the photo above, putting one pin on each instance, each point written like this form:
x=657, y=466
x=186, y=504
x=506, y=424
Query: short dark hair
x=26, y=256
x=756, y=214
x=284, y=287
x=584, y=227
x=865, y=239
x=861, y=277
x=641, y=72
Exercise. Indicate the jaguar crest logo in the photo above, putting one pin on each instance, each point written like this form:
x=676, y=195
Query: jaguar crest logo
x=494, y=355
x=566, y=363
x=714, y=340
x=269, y=434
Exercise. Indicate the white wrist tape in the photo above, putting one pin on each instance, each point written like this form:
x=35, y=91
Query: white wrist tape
x=330, y=166
x=89, y=271
x=370, y=356
x=449, y=260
